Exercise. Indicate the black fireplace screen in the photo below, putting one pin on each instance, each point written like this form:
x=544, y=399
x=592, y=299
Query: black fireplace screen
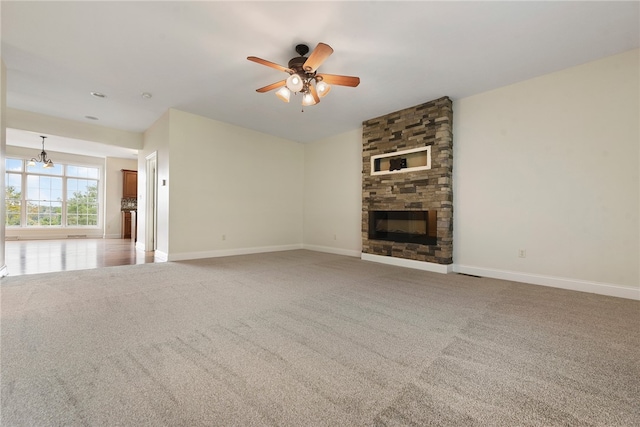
x=403, y=226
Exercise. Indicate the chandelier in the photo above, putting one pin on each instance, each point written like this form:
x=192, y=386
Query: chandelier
x=42, y=158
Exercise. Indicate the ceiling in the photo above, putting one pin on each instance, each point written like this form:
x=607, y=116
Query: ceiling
x=192, y=56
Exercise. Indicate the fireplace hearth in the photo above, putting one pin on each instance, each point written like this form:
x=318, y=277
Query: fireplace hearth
x=404, y=226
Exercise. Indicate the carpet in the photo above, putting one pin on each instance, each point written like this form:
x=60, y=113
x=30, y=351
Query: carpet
x=302, y=338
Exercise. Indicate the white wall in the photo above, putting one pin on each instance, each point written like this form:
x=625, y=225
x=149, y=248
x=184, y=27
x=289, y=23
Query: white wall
x=3, y=144
x=41, y=123
x=233, y=182
x=156, y=140
x=333, y=194
x=550, y=165
x=113, y=193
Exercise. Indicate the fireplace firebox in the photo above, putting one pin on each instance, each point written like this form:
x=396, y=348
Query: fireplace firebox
x=404, y=226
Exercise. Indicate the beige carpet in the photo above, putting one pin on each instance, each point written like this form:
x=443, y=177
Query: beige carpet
x=302, y=338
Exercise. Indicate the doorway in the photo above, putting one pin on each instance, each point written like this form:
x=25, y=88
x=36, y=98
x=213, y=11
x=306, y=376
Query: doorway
x=151, y=215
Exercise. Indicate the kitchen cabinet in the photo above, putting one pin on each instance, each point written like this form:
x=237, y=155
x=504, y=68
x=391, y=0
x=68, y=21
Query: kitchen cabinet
x=129, y=203
x=126, y=224
x=129, y=184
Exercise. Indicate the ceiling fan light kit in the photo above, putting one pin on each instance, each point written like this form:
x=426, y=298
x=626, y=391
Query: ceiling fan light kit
x=284, y=94
x=295, y=83
x=322, y=88
x=307, y=100
x=303, y=77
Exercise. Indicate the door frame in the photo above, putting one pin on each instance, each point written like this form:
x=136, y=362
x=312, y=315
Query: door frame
x=151, y=212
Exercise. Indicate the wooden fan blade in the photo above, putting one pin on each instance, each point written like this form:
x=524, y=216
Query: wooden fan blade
x=334, y=79
x=317, y=57
x=272, y=86
x=314, y=93
x=268, y=63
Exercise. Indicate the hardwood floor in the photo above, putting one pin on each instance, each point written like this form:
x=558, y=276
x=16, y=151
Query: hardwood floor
x=43, y=256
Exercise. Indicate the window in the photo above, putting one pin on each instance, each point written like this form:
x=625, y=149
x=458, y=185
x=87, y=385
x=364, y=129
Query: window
x=62, y=196
x=82, y=202
x=13, y=192
x=44, y=200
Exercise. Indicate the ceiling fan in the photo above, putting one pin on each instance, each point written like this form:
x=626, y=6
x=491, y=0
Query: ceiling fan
x=303, y=76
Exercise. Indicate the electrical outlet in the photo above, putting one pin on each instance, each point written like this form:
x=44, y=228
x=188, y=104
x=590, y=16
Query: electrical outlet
x=224, y=237
x=522, y=253
x=335, y=237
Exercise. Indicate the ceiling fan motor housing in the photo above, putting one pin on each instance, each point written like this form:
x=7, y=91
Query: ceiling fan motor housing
x=302, y=49
x=297, y=65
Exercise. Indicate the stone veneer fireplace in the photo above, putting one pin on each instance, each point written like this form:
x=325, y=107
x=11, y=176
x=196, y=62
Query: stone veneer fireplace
x=407, y=159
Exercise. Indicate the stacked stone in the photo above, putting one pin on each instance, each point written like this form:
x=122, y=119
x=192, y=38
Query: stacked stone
x=426, y=190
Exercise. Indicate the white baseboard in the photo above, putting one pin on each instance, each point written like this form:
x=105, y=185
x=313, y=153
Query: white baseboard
x=159, y=256
x=231, y=252
x=140, y=246
x=69, y=236
x=554, y=282
x=330, y=250
x=409, y=263
x=112, y=236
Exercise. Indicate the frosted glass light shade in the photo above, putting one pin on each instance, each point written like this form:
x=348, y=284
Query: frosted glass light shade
x=307, y=100
x=322, y=88
x=295, y=83
x=284, y=94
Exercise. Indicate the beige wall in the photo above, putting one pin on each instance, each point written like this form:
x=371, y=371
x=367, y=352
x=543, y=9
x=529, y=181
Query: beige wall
x=233, y=182
x=333, y=194
x=113, y=194
x=550, y=165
